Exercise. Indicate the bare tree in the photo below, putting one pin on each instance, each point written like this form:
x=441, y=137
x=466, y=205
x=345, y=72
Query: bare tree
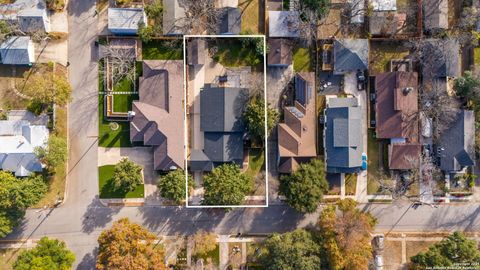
x=464, y=31
x=200, y=16
x=119, y=63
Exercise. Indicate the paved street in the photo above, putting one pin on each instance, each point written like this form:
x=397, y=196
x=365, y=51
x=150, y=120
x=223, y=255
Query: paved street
x=80, y=220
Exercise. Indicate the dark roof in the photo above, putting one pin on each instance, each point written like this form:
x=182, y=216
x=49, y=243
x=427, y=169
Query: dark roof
x=221, y=108
x=350, y=55
x=161, y=95
x=224, y=147
x=403, y=156
x=280, y=52
x=198, y=161
x=435, y=14
x=458, y=143
x=383, y=23
x=196, y=51
x=230, y=21
x=440, y=58
x=397, y=105
x=343, y=135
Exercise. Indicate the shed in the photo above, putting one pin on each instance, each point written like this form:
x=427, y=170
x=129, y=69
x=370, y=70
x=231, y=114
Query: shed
x=17, y=51
x=230, y=21
x=125, y=21
x=284, y=24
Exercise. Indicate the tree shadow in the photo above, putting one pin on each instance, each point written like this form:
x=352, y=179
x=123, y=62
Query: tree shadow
x=88, y=261
x=97, y=216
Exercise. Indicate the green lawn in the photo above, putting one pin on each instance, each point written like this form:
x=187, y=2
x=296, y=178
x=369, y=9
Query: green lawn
x=350, y=183
x=107, y=191
x=163, y=50
x=301, y=60
x=231, y=53
x=214, y=255
x=476, y=54
x=256, y=161
x=382, y=52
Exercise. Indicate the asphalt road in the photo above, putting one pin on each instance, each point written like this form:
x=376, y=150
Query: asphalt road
x=80, y=220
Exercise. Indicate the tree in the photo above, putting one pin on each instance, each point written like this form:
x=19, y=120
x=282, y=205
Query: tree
x=254, y=117
x=200, y=16
x=154, y=8
x=319, y=7
x=15, y=196
x=291, y=251
x=123, y=3
x=129, y=246
x=146, y=32
x=468, y=85
x=456, y=249
x=304, y=188
x=120, y=60
x=345, y=237
x=55, y=153
x=225, y=185
x=127, y=175
x=55, y=5
x=172, y=185
x=51, y=254
x=204, y=242
x=47, y=87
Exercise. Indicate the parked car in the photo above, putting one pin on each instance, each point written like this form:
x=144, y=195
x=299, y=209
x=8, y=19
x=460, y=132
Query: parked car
x=379, y=265
x=361, y=80
x=327, y=57
x=364, y=161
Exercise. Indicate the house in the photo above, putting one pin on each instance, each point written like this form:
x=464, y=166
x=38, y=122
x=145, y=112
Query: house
x=221, y=123
x=17, y=51
x=435, y=15
x=350, y=55
x=283, y=24
x=441, y=58
x=384, y=5
x=157, y=119
x=125, y=21
x=343, y=135
x=196, y=49
x=230, y=21
x=31, y=15
x=397, y=117
x=173, y=17
x=384, y=19
x=457, y=144
x=297, y=135
x=18, y=139
x=280, y=52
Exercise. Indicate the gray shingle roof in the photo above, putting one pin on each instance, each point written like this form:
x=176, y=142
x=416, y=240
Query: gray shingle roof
x=196, y=49
x=17, y=51
x=230, y=21
x=343, y=135
x=350, y=55
x=198, y=161
x=173, y=17
x=283, y=24
x=440, y=58
x=435, y=14
x=458, y=143
x=224, y=147
x=125, y=18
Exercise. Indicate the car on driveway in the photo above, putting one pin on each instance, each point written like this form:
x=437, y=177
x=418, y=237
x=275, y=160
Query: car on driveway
x=364, y=161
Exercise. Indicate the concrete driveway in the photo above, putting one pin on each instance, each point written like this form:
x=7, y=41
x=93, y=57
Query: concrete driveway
x=277, y=80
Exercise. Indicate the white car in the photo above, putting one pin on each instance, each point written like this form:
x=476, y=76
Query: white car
x=379, y=262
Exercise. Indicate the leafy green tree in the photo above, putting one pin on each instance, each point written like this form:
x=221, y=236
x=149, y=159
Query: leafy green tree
x=154, y=9
x=254, y=117
x=291, y=251
x=47, y=87
x=305, y=187
x=204, y=242
x=127, y=175
x=51, y=254
x=128, y=245
x=345, y=236
x=225, y=185
x=15, y=196
x=146, y=32
x=452, y=250
x=55, y=153
x=320, y=7
x=467, y=85
x=172, y=185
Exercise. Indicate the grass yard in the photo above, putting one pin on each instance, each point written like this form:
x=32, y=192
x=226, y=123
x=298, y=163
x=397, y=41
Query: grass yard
x=108, y=137
x=250, y=16
x=213, y=255
x=374, y=172
x=382, y=52
x=302, y=60
x=163, y=50
x=256, y=161
x=476, y=56
x=414, y=247
x=350, y=183
x=8, y=257
x=231, y=53
x=393, y=254
x=107, y=191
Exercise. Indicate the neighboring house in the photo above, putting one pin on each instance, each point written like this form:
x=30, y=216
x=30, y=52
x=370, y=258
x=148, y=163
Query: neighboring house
x=230, y=21
x=435, y=15
x=440, y=58
x=196, y=49
x=457, y=144
x=17, y=51
x=384, y=20
x=384, y=5
x=125, y=21
x=350, y=55
x=280, y=52
x=158, y=114
x=31, y=15
x=284, y=24
x=221, y=123
x=173, y=17
x=18, y=139
x=297, y=136
x=397, y=117
x=343, y=135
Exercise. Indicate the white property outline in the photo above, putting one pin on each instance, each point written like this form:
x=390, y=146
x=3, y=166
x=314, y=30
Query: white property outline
x=185, y=81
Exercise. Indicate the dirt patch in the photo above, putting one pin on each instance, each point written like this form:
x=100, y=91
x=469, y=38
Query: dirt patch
x=10, y=77
x=414, y=247
x=393, y=254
